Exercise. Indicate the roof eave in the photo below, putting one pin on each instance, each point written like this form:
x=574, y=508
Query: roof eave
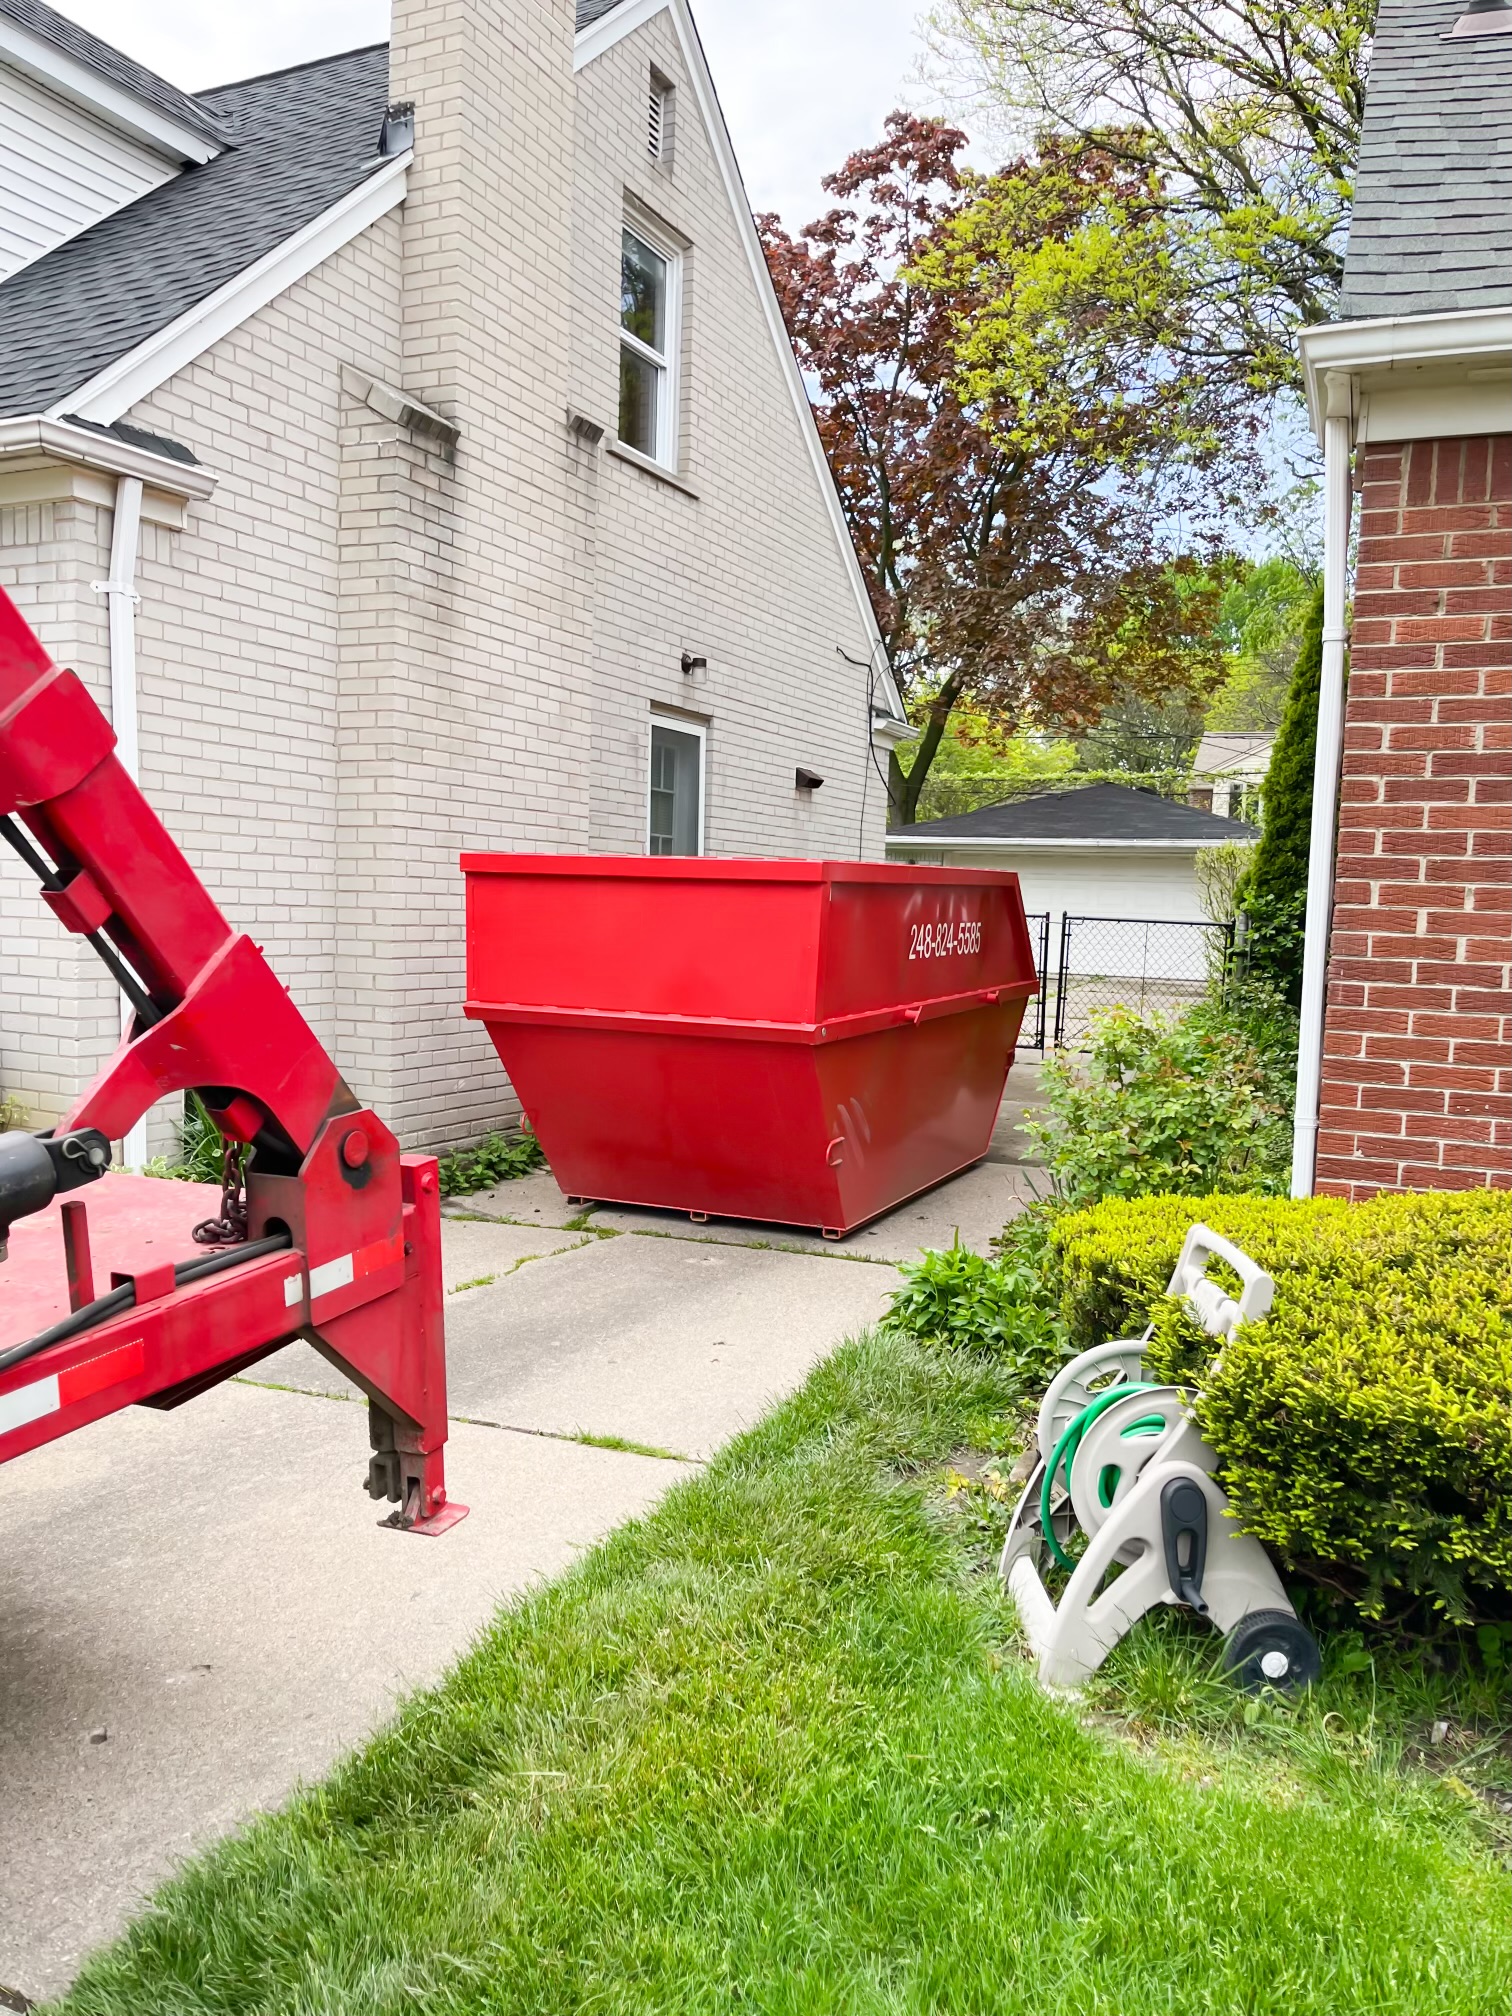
x=34, y=434
x=924, y=836
x=1340, y=360
x=185, y=139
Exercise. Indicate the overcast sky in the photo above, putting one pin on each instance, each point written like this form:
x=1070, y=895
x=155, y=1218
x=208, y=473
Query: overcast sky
x=802, y=82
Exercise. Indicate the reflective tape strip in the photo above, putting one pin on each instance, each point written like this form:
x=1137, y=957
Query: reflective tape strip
x=63, y=1389
x=28, y=1403
x=333, y=1274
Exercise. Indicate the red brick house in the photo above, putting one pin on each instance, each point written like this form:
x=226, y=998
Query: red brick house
x=1405, y=1081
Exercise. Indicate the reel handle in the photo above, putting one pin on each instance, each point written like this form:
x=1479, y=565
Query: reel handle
x=1215, y=1309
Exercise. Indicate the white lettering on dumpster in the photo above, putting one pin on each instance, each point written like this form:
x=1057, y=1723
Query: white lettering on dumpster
x=947, y=937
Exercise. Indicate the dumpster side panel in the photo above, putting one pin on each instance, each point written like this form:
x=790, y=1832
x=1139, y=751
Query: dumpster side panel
x=703, y=1124
x=911, y=1106
x=645, y=943
x=914, y=939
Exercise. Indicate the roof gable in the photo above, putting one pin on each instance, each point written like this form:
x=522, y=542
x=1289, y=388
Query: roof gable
x=1100, y=813
x=113, y=68
x=306, y=137
x=1432, y=225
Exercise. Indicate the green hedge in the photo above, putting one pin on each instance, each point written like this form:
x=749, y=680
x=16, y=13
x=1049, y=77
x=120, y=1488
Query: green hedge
x=1364, y=1429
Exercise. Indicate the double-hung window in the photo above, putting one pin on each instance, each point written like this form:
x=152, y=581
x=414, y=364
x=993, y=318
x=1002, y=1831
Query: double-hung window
x=648, y=337
x=674, y=823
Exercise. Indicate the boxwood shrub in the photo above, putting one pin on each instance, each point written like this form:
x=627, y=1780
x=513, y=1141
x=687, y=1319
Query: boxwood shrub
x=1364, y=1429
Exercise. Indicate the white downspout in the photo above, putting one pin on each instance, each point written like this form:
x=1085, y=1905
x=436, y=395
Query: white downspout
x=1337, y=441
x=121, y=601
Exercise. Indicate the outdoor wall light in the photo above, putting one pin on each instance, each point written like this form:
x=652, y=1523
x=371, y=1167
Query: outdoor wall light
x=806, y=780
x=692, y=665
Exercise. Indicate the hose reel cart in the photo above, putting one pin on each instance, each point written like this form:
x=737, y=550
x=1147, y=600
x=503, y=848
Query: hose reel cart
x=1121, y=1461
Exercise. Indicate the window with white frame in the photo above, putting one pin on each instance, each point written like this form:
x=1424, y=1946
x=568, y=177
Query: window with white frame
x=675, y=801
x=648, y=342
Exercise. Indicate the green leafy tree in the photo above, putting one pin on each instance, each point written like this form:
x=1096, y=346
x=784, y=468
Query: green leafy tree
x=1261, y=620
x=1016, y=539
x=1274, y=895
x=1241, y=119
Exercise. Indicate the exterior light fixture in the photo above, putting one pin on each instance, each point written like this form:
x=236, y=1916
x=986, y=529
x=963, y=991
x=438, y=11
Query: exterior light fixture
x=806, y=780
x=692, y=666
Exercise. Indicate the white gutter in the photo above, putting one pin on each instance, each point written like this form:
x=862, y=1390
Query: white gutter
x=33, y=434
x=1389, y=342
x=1330, y=745
x=121, y=601
x=916, y=836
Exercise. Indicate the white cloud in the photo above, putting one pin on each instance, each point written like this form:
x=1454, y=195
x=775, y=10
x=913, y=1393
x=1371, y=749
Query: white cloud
x=803, y=82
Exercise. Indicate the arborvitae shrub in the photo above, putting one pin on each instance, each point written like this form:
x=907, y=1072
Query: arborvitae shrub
x=1273, y=895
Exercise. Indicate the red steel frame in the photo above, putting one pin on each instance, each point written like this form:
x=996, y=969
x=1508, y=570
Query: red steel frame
x=361, y=1276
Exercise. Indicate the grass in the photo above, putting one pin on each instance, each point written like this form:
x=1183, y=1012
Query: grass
x=625, y=1447
x=774, y=1748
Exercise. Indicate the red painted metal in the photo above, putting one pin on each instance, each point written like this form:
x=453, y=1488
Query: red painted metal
x=804, y=1042
x=361, y=1278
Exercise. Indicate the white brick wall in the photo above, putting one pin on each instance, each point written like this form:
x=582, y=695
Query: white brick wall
x=363, y=654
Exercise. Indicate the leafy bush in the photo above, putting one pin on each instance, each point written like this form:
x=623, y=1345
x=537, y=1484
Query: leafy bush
x=999, y=1306
x=1164, y=1103
x=13, y=1115
x=1363, y=1429
x=497, y=1158
x=201, y=1148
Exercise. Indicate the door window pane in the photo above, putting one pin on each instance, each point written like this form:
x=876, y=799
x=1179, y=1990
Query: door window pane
x=676, y=789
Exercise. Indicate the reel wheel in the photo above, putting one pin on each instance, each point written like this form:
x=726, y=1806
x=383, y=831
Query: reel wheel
x=1271, y=1648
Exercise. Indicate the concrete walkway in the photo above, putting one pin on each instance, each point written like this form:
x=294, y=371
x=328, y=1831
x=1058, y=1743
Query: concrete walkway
x=199, y=1609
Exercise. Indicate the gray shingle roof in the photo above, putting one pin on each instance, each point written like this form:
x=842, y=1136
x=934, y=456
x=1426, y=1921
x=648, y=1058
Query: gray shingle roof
x=1094, y=812
x=305, y=138
x=110, y=64
x=589, y=11
x=1432, y=226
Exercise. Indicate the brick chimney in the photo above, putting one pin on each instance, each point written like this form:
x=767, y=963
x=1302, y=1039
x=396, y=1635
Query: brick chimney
x=464, y=637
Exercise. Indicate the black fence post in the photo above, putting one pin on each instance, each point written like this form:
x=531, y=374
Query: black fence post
x=1060, y=982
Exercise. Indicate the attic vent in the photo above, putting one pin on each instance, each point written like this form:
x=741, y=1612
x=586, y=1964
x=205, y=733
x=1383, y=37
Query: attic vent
x=659, y=118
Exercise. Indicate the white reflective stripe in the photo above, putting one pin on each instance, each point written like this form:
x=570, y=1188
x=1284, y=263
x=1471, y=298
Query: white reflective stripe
x=332, y=1274
x=293, y=1290
x=28, y=1403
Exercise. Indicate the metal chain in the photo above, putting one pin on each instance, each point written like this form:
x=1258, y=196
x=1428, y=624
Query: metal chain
x=230, y=1229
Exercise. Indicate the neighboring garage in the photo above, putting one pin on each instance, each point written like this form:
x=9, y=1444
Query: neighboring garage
x=1103, y=851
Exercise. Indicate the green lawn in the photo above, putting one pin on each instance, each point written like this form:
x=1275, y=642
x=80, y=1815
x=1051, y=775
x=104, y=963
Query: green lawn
x=774, y=1749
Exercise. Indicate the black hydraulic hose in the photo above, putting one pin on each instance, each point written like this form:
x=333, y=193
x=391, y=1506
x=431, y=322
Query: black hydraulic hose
x=124, y=1297
x=147, y=1011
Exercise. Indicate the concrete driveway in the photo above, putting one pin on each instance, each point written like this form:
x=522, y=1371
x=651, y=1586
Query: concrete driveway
x=198, y=1609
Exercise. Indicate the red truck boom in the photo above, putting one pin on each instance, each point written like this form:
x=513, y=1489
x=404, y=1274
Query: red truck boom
x=325, y=1231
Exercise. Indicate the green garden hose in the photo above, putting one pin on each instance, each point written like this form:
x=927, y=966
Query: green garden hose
x=1070, y=1442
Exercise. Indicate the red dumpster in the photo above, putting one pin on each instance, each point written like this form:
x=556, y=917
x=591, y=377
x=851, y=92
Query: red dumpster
x=806, y=1042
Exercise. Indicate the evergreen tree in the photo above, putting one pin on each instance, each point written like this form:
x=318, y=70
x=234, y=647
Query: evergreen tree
x=1274, y=895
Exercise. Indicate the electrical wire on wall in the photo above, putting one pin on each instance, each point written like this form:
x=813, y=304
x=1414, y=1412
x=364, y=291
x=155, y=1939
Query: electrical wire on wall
x=869, y=666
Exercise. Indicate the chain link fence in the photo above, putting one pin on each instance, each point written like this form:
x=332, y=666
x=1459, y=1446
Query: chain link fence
x=1144, y=963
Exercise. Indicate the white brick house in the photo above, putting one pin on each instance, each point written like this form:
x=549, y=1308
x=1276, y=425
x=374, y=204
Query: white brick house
x=426, y=513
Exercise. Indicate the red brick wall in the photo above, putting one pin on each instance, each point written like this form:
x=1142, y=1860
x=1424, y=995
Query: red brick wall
x=1417, y=1068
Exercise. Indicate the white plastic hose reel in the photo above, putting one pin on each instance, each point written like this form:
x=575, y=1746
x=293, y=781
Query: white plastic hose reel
x=1130, y=1471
